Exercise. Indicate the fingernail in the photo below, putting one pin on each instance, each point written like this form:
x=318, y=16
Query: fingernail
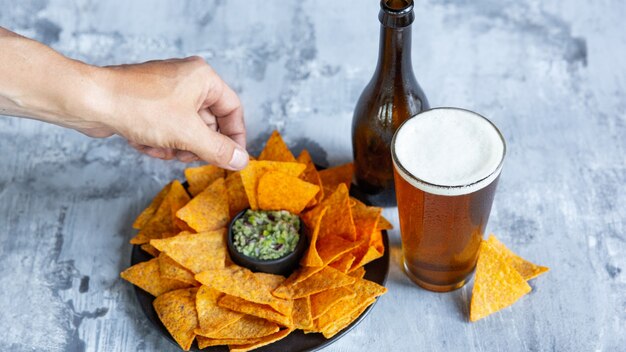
x=239, y=159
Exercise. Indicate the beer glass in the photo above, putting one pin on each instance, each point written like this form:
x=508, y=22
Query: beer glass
x=447, y=163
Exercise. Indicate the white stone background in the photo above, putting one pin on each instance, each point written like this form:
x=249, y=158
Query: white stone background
x=550, y=74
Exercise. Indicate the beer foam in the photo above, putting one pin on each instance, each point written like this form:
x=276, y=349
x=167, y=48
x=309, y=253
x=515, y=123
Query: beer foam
x=449, y=151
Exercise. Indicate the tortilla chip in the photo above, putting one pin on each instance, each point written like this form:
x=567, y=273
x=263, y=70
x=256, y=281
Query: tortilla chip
x=208, y=210
x=311, y=175
x=201, y=177
x=276, y=149
x=384, y=224
x=338, y=220
x=255, y=309
x=237, y=198
x=325, y=279
x=343, y=263
x=366, y=293
x=313, y=222
x=212, y=317
x=358, y=272
x=365, y=221
x=146, y=276
x=252, y=173
x=241, y=282
x=301, y=314
x=177, y=311
x=148, y=248
x=342, y=323
x=204, y=342
x=334, y=176
x=527, y=269
x=325, y=300
x=497, y=284
x=261, y=342
x=163, y=219
x=170, y=269
x=248, y=327
x=376, y=241
x=196, y=252
x=147, y=213
x=278, y=191
x=330, y=248
x=371, y=255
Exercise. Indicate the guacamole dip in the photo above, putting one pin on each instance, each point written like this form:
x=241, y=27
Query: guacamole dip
x=266, y=235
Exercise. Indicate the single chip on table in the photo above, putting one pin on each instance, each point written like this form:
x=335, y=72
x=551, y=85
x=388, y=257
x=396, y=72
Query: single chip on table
x=301, y=314
x=527, y=269
x=255, y=309
x=252, y=173
x=147, y=213
x=334, y=176
x=247, y=327
x=278, y=191
x=196, y=252
x=313, y=221
x=146, y=275
x=276, y=149
x=212, y=317
x=177, y=311
x=208, y=210
x=163, y=220
x=497, y=284
x=201, y=177
x=237, y=198
x=366, y=292
x=325, y=279
x=311, y=175
x=170, y=269
x=261, y=342
x=323, y=301
x=241, y=282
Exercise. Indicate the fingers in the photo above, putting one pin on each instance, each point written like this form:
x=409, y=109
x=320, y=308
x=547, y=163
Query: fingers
x=216, y=148
x=186, y=157
x=224, y=104
x=159, y=153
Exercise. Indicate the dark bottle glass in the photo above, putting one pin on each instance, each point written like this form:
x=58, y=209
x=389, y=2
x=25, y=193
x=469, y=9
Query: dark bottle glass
x=391, y=97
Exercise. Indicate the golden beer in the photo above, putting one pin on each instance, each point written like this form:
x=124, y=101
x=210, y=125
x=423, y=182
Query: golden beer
x=447, y=164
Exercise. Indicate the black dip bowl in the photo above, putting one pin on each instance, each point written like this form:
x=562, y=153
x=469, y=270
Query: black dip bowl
x=281, y=266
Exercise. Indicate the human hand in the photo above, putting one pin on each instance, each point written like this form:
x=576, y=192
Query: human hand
x=178, y=108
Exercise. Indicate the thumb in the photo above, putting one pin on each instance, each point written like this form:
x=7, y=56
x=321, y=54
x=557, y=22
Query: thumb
x=217, y=149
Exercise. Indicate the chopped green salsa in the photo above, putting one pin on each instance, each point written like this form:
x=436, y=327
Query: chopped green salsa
x=266, y=235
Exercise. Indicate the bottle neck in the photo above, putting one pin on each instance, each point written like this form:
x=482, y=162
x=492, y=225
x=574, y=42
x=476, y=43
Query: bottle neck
x=394, y=54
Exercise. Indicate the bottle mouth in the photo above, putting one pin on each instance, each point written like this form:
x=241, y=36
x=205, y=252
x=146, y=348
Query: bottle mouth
x=396, y=13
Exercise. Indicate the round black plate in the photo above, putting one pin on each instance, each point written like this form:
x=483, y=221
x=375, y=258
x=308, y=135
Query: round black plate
x=375, y=271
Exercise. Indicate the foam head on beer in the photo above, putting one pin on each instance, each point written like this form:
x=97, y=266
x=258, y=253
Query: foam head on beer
x=448, y=151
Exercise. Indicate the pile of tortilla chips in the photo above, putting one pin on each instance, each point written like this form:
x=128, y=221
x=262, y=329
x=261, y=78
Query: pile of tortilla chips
x=501, y=278
x=202, y=295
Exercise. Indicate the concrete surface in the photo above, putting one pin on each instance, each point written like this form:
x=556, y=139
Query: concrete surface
x=550, y=74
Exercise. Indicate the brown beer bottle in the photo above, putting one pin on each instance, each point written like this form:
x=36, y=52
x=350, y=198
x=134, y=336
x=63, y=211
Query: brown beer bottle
x=391, y=97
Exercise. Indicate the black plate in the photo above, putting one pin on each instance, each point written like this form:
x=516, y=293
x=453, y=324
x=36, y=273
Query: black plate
x=375, y=271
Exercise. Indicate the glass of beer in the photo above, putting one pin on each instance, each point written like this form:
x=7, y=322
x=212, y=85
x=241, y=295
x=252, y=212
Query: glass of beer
x=447, y=162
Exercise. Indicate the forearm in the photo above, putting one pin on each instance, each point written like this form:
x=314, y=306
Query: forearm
x=37, y=82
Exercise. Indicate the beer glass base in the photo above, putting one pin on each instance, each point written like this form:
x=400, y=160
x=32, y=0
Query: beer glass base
x=433, y=287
